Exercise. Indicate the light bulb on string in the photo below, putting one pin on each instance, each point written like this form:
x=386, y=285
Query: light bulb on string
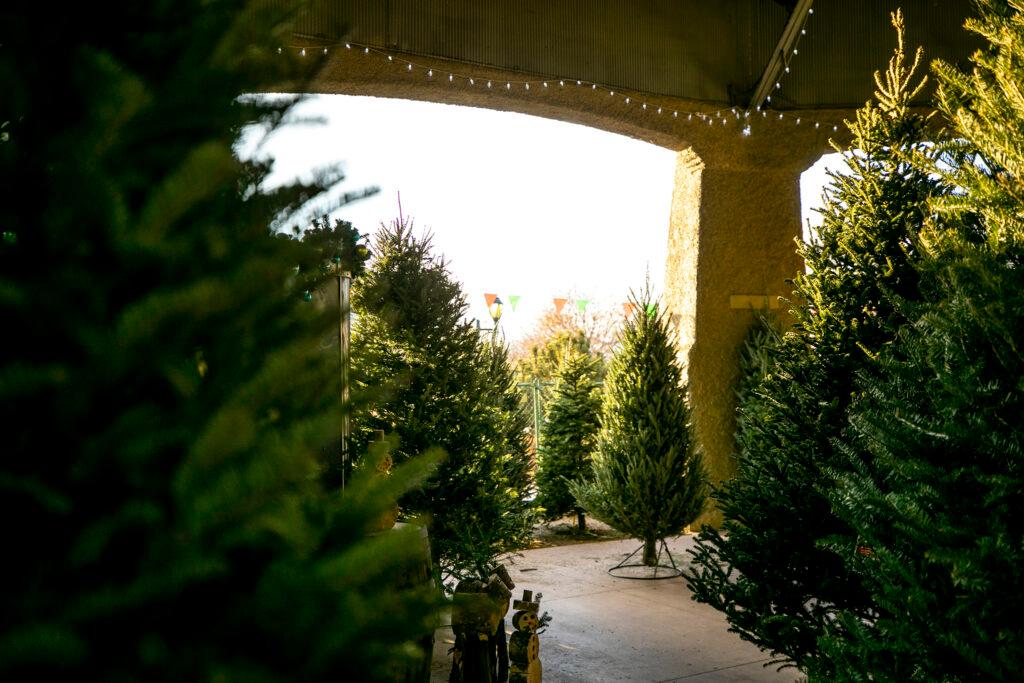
x=366, y=50
x=798, y=121
x=471, y=81
x=508, y=86
x=746, y=130
x=627, y=100
x=612, y=93
x=593, y=86
x=325, y=50
x=450, y=78
x=561, y=84
x=527, y=86
x=817, y=125
x=278, y=50
x=348, y=46
x=408, y=67
x=675, y=114
x=302, y=52
x=545, y=84
x=780, y=116
x=659, y=110
x=430, y=73
x=390, y=58
x=488, y=84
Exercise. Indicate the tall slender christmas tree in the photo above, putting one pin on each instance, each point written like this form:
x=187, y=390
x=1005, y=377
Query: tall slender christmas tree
x=936, y=492
x=648, y=477
x=568, y=438
x=159, y=372
x=441, y=386
x=772, y=569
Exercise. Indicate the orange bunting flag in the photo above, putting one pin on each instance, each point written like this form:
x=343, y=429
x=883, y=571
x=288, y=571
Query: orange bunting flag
x=490, y=298
x=559, y=304
x=628, y=308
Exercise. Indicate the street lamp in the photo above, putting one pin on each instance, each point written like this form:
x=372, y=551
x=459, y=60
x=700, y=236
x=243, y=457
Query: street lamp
x=494, y=307
x=495, y=310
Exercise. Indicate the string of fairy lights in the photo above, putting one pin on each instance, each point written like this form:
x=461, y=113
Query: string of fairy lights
x=722, y=116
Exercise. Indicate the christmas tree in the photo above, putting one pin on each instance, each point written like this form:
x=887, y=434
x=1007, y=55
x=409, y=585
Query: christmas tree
x=161, y=382
x=439, y=385
x=648, y=479
x=771, y=568
x=569, y=435
x=936, y=491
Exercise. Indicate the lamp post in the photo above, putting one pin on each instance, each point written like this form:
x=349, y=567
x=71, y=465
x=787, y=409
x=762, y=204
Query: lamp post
x=494, y=310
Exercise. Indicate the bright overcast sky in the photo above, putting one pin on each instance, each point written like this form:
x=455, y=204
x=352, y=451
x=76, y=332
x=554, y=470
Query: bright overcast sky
x=518, y=205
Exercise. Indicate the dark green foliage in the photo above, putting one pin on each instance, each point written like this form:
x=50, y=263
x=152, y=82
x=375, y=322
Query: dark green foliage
x=334, y=249
x=568, y=437
x=160, y=378
x=772, y=568
x=648, y=478
x=936, y=495
x=442, y=387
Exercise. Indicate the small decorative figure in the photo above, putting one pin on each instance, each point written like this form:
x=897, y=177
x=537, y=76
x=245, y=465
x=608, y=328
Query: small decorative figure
x=524, y=645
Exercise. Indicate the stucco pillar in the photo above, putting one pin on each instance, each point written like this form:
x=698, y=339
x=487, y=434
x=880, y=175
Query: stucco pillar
x=731, y=248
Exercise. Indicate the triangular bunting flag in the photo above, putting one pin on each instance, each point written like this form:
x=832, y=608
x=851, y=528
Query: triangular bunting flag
x=490, y=298
x=651, y=310
x=628, y=308
x=513, y=300
x=581, y=305
x=559, y=304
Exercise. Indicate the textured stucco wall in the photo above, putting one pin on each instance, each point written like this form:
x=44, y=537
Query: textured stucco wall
x=731, y=232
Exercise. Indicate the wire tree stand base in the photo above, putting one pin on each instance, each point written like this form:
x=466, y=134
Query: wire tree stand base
x=643, y=572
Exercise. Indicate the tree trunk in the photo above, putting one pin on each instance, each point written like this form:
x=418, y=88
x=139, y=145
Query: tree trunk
x=581, y=521
x=650, y=552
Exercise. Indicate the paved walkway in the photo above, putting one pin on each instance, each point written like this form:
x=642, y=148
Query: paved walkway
x=609, y=629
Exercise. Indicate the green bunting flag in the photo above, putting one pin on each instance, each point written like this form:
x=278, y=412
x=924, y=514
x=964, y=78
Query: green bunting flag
x=581, y=305
x=513, y=300
x=651, y=310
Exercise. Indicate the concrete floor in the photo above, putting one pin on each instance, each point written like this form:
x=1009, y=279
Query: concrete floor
x=609, y=629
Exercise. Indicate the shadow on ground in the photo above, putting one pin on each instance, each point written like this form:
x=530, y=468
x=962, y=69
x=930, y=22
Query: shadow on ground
x=609, y=629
